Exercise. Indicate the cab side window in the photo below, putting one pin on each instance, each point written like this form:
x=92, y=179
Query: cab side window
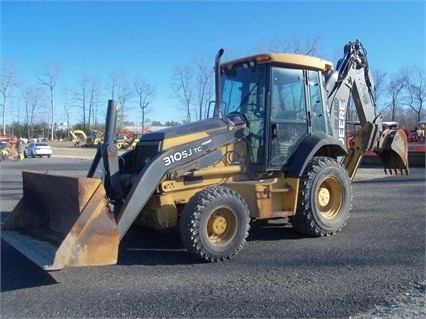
x=317, y=114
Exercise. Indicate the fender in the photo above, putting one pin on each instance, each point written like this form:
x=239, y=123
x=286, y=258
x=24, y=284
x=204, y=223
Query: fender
x=311, y=145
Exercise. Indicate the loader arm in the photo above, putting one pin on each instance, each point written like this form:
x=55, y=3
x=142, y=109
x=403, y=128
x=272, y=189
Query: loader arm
x=206, y=152
x=352, y=78
x=78, y=135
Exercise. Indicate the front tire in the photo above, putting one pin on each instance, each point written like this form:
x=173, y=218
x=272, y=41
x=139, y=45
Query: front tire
x=214, y=224
x=325, y=197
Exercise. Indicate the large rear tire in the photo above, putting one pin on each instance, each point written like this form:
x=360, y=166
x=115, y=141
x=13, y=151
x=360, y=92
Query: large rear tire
x=325, y=197
x=214, y=224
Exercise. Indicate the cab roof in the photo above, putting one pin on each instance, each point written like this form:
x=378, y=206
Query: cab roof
x=285, y=59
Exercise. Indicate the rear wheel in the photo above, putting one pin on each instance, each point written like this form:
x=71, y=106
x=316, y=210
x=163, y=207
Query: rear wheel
x=214, y=224
x=325, y=197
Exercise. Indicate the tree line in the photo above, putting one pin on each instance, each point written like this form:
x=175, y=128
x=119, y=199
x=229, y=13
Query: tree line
x=400, y=96
x=36, y=110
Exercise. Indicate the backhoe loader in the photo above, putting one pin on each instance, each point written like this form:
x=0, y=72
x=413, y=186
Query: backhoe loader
x=78, y=136
x=273, y=147
x=94, y=139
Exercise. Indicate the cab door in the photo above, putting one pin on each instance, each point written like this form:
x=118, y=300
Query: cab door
x=288, y=116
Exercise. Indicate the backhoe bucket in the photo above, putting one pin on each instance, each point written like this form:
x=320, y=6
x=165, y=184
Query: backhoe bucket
x=63, y=221
x=393, y=151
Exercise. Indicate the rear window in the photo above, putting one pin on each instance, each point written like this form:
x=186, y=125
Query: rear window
x=42, y=144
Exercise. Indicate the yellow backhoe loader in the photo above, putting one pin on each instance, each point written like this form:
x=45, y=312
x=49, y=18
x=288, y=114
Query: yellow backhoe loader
x=94, y=139
x=79, y=137
x=275, y=146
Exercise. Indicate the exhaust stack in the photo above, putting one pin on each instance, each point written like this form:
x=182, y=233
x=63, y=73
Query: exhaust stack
x=217, y=84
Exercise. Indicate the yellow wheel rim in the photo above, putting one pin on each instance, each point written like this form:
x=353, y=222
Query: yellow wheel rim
x=330, y=197
x=221, y=226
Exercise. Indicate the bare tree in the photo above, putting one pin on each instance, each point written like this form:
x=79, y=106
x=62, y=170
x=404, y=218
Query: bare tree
x=182, y=88
x=66, y=95
x=394, y=90
x=379, y=77
x=8, y=80
x=120, y=90
x=416, y=90
x=116, y=78
x=145, y=93
x=49, y=77
x=296, y=44
x=82, y=96
x=124, y=94
x=94, y=93
x=17, y=110
x=204, y=86
x=97, y=111
x=33, y=99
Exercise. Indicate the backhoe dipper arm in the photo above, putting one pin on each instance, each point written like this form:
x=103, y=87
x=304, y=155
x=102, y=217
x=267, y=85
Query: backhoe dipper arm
x=352, y=77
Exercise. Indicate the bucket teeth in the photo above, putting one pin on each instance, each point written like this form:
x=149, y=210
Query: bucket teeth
x=393, y=151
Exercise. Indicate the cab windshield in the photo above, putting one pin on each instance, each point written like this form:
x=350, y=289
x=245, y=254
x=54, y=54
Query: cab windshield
x=243, y=89
x=244, y=92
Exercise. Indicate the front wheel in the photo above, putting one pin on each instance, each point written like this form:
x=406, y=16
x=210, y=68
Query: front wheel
x=214, y=224
x=325, y=197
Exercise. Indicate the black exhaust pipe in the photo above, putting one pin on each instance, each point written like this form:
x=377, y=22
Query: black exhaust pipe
x=217, y=84
x=109, y=135
x=110, y=122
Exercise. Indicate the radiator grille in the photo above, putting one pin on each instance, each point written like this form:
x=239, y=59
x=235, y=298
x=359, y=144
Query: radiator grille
x=143, y=153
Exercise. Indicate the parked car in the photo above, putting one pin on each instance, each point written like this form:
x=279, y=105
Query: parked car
x=38, y=149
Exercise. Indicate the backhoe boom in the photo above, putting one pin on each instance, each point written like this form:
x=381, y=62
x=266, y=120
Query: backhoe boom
x=353, y=78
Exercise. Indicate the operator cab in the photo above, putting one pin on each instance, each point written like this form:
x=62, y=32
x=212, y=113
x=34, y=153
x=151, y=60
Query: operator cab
x=281, y=97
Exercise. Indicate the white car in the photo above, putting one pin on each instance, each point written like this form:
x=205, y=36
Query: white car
x=38, y=149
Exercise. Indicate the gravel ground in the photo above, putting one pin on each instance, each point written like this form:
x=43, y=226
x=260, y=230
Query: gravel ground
x=408, y=305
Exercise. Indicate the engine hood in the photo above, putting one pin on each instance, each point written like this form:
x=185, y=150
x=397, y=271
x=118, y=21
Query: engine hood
x=204, y=126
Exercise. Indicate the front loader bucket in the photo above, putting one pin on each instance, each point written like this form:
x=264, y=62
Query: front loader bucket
x=393, y=151
x=63, y=221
